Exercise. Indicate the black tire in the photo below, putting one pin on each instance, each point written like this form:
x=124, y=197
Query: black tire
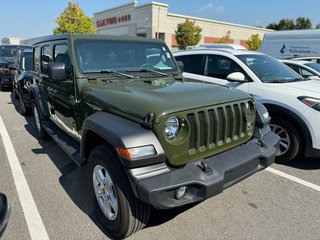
x=291, y=145
x=42, y=134
x=132, y=214
x=15, y=94
x=24, y=110
x=1, y=87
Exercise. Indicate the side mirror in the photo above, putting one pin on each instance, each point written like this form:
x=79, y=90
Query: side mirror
x=4, y=213
x=236, y=77
x=181, y=65
x=13, y=67
x=313, y=78
x=57, y=71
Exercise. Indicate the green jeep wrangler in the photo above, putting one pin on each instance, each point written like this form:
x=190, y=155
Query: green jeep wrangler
x=148, y=137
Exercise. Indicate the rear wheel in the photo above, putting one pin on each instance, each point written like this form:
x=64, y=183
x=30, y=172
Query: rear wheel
x=291, y=145
x=120, y=212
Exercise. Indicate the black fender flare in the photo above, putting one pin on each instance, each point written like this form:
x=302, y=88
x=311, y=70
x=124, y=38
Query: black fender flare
x=36, y=94
x=302, y=127
x=120, y=132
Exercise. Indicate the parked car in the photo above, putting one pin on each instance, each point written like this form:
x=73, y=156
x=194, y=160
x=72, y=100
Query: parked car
x=22, y=79
x=218, y=45
x=292, y=102
x=7, y=56
x=305, y=69
x=147, y=137
x=5, y=211
x=315, y=59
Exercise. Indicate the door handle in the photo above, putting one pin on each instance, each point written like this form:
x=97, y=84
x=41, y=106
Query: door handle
x=51, y=90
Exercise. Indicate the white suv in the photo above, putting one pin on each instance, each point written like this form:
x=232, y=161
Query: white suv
x=292, y=101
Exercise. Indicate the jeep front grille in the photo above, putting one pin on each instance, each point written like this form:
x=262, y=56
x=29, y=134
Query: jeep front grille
x=224, y=125
x=206, y=132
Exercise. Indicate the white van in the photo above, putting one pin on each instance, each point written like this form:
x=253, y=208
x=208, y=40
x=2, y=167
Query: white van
x=291, y=43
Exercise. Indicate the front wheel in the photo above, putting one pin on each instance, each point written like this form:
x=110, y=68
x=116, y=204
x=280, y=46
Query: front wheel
x=291, y=145
x=24, y=110
x=42, y=134
x=120, y=212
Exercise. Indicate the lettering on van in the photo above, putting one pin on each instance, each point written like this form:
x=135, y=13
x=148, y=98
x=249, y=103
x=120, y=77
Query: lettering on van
x=296, y=50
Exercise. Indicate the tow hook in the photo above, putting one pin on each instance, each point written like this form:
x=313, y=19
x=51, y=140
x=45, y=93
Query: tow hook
x=205, y=168
x=260, y=143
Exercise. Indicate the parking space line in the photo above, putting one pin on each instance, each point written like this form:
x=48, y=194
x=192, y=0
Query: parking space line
x=294, y=179
x=35, y=225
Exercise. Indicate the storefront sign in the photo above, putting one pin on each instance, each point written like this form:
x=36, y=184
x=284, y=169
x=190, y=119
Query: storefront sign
x=113, y=20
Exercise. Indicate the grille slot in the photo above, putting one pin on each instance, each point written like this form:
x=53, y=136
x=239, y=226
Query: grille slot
x=216, y=127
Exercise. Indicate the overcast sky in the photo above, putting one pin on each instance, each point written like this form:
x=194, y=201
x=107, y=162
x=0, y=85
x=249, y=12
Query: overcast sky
x=35, y=18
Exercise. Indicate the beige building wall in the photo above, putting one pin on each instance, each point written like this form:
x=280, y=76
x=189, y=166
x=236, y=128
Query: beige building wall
x=152, y=20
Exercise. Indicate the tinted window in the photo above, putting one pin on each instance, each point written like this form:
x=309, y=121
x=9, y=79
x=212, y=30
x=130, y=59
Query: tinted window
x=221, y=67
x=60, y=53
x=313, y=65
x=27, y=62
x=192, y=63
x=46, y=57
x=36, y=59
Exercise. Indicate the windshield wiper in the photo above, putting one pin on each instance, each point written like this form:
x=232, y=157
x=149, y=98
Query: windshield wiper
x=148, y=70
x=107, y=71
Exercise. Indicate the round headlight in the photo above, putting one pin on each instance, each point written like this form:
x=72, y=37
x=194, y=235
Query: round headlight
x=171, y=127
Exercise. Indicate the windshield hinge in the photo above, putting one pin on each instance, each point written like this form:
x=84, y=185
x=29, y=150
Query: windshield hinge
x=149, y=120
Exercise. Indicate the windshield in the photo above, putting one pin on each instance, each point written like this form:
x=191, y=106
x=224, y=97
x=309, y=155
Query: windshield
x=10, y=51
x=314, y=66
x=268, y=69
x=97, y=55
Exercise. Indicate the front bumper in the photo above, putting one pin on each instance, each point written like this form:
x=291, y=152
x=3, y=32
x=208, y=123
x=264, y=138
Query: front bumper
x=204, y=178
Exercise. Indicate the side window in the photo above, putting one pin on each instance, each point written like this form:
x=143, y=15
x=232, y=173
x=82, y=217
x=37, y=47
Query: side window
x=60, y=53
x=221, y=67
x=36, y=59
x=192, y=63
x=46, y=57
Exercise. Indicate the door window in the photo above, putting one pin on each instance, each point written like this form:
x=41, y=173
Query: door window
x=220, y=67
x=192, y=63
x=46, y=57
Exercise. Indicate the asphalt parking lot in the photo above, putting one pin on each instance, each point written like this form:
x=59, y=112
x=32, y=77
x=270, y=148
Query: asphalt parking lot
x=48, y=196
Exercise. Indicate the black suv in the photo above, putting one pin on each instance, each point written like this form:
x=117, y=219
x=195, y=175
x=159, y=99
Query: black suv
x=22, y=79
x=7, y=57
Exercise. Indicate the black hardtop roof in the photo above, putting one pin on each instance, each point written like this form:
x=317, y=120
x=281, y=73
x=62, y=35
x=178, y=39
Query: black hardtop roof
x=74, y=36
x=16, y=45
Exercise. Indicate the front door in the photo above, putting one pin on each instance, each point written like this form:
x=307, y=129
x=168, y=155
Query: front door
x=62, y=93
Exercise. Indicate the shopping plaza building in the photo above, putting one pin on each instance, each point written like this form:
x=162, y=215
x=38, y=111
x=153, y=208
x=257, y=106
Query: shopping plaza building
x=152, y=20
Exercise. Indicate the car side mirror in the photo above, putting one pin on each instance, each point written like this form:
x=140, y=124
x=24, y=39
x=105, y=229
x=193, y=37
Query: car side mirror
x=181, y=65
x=236, y=77
x=13, y=67
x=313, y=78
x=57, y=71
x=4, y=213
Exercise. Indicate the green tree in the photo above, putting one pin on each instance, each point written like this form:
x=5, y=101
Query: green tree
x=187, y=34
x=226, y=38
x=254, y=42
x=318, y=26
x=286, y=24
x=73, y=20
x=273, y=26
x=303, y=23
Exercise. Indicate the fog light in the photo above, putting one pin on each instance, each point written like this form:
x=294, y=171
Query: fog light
x=180, y=192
